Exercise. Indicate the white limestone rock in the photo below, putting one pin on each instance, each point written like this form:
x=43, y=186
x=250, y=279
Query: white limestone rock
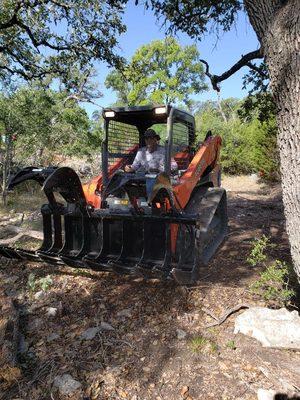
x=273, y=328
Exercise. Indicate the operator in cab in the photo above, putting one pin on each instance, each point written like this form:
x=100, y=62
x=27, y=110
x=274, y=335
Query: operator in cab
x=150, y=158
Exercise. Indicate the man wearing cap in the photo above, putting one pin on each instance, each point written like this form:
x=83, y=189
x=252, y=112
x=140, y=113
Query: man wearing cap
x=150, y=158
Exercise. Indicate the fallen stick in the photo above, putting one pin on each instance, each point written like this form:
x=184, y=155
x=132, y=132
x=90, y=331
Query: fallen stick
x=208, y=312
x=227, y=314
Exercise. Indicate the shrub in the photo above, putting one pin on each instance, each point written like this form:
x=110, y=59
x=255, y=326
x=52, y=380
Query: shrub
x=249, y=142
x=257, y=254
x=45, y=283
x=42, y=283
x=31, y=282
x=273, y=284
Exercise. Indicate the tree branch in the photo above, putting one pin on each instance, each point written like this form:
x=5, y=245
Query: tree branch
x=244, y=61
x=226, y=315
x=257, y=69
x=13, y=19
x=43, y=42
x=27, y=76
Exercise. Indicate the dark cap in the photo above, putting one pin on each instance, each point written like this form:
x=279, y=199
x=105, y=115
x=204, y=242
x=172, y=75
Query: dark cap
x=150, y=133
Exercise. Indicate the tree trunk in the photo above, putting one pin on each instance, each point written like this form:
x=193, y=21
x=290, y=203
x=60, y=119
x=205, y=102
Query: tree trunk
x=277, y=24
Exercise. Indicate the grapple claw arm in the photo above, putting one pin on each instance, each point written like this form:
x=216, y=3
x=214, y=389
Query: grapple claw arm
x=30, y=173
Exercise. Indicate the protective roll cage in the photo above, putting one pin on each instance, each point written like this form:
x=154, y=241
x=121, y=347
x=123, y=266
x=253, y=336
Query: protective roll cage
x=124, y=134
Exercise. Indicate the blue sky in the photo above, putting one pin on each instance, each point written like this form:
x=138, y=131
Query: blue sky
x=221, y=53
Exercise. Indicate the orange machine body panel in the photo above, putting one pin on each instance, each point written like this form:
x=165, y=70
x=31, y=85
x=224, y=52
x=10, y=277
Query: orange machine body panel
x=208, y=154
x=92, y=188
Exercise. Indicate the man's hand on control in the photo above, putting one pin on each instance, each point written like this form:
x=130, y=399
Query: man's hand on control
x=128, y=168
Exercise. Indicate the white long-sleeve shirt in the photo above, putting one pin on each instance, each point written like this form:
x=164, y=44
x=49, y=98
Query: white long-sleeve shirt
x=155, y=160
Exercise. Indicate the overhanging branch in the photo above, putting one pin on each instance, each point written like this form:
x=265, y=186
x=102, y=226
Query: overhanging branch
x=258, y=70
x=244, y=61
x=37, y=43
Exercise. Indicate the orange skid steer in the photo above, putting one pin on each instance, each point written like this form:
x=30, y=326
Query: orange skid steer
x=155, y=224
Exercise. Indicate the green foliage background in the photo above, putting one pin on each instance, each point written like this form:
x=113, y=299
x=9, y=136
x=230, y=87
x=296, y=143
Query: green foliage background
x=44, y=126
x=249, y=142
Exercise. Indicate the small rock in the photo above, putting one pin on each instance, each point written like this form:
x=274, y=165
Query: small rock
x=66, y=384
x=51, y=311
x=104, y=326
x=52, y=337
x=90, y=333
x=40, y=295
x=263, y=394
x=146, y=369
x=181, y=334
x=124, y=313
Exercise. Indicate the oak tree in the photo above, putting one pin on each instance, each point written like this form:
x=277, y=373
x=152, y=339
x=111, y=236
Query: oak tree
x=159, y=72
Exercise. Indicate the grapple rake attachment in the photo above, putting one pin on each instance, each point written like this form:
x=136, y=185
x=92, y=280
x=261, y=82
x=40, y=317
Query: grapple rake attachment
x=125, y=242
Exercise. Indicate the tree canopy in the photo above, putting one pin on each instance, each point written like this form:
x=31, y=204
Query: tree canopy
x=196, y=17
x=159, y=72
x=41, y=125
x=42, y=37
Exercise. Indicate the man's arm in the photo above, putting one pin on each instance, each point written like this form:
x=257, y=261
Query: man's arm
x=136, y=163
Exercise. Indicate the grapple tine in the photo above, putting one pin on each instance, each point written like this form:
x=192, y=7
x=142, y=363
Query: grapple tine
x=10, y=252
x=47, y=228
x=30, y=255
x=52, y=235
x=101, y=261
x=209, y=233
x=156, y=256
x=131, y=248
x=162, y=270
x=144, y=267
x=96, y=244
x=70, y=255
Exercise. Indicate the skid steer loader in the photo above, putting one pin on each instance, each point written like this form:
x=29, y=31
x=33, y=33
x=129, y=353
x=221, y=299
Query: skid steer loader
x=158, y=224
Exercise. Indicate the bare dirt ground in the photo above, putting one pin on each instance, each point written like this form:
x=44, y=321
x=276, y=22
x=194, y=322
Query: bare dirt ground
x=154, y=343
